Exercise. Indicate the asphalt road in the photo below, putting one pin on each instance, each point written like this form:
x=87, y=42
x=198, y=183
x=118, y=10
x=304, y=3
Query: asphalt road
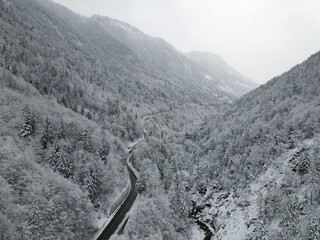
x=125, y=207
x=113, y=225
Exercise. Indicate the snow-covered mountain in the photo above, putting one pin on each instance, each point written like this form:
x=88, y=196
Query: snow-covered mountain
x=227, y=77
x=162, y=59
x=73, y=93
x=260, y=164
x=76, y=91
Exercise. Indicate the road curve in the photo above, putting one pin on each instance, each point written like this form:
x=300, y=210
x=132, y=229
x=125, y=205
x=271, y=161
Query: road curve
x=121, y=213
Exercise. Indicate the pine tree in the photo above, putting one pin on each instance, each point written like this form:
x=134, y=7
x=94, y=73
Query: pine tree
x=290, y=221
x=61, y=161
x=259, y=232
x=35, y=224
x=309, y=125
x=104, y=150
x=304, y=164
x=291, y=137
x=129, y=127
x=64, y=165
x=29, y=123
x=314, y=229
x=54, y=154
x=82, y=158
x=71, y=146
x=141, y=184
x=61, y=130
x=35, y=218
x=275, y=147
x=179, y=197
x=47, y=134
x=87, y=142
x=92, y=181
x=89, y=181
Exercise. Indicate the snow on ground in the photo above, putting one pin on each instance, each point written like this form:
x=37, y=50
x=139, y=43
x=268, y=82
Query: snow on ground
x=100, y=219
x=132, y=144
x=197, y=234
x=232, y=219
x=234, y=212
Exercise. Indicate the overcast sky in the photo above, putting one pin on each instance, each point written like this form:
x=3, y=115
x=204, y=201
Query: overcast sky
x=259, y=38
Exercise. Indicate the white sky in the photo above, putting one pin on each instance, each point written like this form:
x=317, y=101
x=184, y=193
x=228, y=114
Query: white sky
x=259, y=38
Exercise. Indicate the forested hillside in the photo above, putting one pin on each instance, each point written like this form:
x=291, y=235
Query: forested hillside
x=75, y=91
x=259, y=162
x=249, y=171
x=163, y=60
x=231, y=80
x=72, y=96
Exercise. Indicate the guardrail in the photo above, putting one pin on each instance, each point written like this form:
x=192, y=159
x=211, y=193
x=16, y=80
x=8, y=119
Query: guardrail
x=115, y=206
x=116, y=203
x=135, y=172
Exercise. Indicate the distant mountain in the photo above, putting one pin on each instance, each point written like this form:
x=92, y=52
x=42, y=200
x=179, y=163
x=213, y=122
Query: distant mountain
x=162, y=60
x=226, y=76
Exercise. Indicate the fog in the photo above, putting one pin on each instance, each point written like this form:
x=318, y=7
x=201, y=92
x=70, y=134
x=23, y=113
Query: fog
x=260, y=39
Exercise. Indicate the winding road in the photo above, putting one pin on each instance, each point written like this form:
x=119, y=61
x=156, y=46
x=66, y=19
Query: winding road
x=111, y=227
x=121, y=213
x=107, y=231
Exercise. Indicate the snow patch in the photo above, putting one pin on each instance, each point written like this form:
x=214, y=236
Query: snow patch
x=235, y=211
x=197, y=234
x=100, y=219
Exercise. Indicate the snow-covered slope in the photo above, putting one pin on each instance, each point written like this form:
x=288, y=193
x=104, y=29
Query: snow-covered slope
x=161, y=59
x=260, y=161
x=227, y=77
x=71, y=96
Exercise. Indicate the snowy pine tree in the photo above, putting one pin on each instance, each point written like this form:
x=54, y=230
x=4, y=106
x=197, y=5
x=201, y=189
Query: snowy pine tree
x=291, y=137
x=29, y=123
x=304, y=164
x=290, y=221
x=259, y=232
x=92, y=181
x=35, y=224
x=104, y=150
x=54, y=154
x=314, y=228
x=47, y=134
x=61, y=130
x=64, y=165
x=61, y=161
x=141, y=184
x=35, y=218
x=87, y=142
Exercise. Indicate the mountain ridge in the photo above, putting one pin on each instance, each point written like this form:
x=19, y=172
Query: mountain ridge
x=232, y=80
x=262, y=152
